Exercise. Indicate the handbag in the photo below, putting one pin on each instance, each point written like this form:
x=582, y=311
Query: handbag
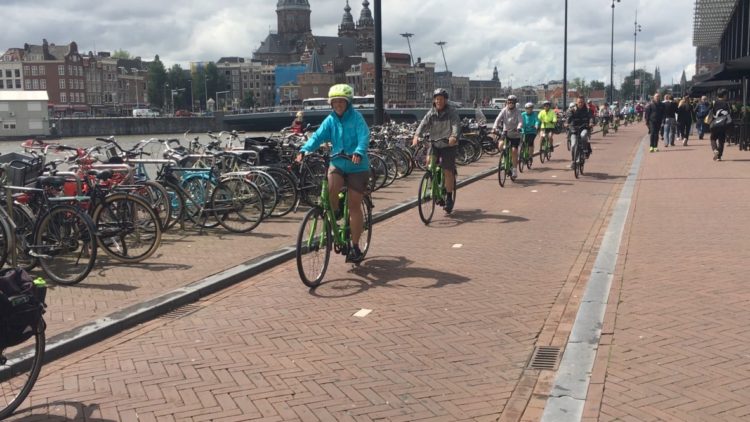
x=722, y=121
x=708, y=119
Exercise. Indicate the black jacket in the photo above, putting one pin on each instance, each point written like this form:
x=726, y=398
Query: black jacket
x=670, y=109
x=580, y=118
x=655, y=113
x=685, y=114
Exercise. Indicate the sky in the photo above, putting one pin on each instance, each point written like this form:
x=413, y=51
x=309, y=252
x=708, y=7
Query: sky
x=523, y=38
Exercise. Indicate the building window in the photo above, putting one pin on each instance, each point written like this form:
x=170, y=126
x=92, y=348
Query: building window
x=35, y=83
x=9, y=125
x=18, y=83
x=34, y=71
x=26, y=69
x=70, y=69
x=2, y=85
x=43, y=84
x=9, y=83
x=41, y=70
x=61, y=69
x=17, y=72
x=63, y=97
x=8, y=73
x=27, y=84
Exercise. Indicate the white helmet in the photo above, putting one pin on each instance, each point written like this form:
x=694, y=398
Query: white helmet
x=528, y=105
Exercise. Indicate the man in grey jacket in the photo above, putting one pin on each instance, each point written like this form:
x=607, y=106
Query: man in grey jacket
x=509, y=122
x=443, y=124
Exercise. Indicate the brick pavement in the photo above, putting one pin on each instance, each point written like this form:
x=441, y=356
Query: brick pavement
x=674, y=344
x=186, y=257
x=450, y=335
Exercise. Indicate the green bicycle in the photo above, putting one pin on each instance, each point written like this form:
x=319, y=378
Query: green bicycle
x=320, y=232
x=505, y=166
x=432, y=191
x=546, y=147
x=525, y=154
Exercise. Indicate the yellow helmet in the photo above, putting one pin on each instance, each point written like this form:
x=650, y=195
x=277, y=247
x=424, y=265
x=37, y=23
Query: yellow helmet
x=341, y=91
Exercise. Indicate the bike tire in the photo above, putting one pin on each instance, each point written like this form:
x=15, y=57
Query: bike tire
x=158, y=197
x=425, y=199
x=366, y=238
x=65, y=242
x=576, y=168
x=127, y=227
x=268, y=189
x=543, y=151
x=288, y=194
x=17, y=380
x=314, y=243
x=197, y=196
x=176, y=204
x=237, y=205
x=24, y=219
x=502, y=172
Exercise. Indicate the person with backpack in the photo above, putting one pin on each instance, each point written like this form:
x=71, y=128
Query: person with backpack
x=720, y=121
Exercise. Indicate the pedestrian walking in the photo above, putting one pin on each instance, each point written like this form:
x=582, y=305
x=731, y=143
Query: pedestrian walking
x=720, y=120
x=684, y=119
x=670, y=120
x=701, y=111
x=654, y=117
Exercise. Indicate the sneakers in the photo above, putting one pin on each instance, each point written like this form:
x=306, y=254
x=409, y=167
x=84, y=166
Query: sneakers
x=684, y=142
x=651, y=149
x=716, y=155
x=514, y=173
x=449, y=203
x=355, y=255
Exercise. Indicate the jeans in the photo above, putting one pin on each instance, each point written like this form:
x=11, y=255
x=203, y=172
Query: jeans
x=701, y=127
x=669, y=131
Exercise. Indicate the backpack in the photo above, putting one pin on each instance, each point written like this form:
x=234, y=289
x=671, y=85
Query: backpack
x=721, y=120
x=21, y=306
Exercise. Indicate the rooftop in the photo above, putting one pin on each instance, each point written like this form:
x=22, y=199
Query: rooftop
x=710, y=20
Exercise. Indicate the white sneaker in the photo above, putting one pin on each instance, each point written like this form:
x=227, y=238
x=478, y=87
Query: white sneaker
x=514, y=173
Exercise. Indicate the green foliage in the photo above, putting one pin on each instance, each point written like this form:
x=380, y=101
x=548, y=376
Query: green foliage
x=121, y=54
x=248, y=101
x=157, y=83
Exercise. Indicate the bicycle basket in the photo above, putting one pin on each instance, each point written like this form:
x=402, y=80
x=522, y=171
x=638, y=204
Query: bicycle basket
x=21, y=169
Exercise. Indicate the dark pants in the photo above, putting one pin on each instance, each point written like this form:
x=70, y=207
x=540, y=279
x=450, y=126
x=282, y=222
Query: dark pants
x=653, y=130
x=701, y=127
x=683, y=129
x=718, y=136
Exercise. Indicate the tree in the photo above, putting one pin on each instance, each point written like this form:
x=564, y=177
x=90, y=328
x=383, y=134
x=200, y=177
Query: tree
x=121, y=54
x=249, y=100
x=596, y=86
x=215, y=81
x=179, y=82
x=157, y=80
x=580, y=86
x=645, y=87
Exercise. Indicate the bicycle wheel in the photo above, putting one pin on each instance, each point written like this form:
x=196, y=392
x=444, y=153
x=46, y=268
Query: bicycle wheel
x=197, y=197
x=543, y=150
x=24, y=220
x=310, y=179
x=176, y=205
x=237, y=205
x=17, y=380
x=378, y=172
x=521, y=159
x=288, y=193
x=364, y=240
x=268, y=189
x=502, y=173
x=421, y=155
x=65, y=244
x=576, y=161
x=425, y=199
x=127, y=228
x=158, y=197
x=4, y=241
x=314, y=242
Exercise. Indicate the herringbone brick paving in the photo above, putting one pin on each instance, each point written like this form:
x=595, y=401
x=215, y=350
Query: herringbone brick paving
x=679, y=345
x=451, y=331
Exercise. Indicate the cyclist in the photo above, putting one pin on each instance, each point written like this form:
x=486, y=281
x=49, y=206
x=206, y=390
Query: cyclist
x=579, y=118
x=510, y=121
x=348, y=133
x=443, y=123
x=548, y=121
x=530, y=125
x=604, y=115
x=593, y=110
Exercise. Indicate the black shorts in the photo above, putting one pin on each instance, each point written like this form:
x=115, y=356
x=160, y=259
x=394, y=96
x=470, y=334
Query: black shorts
x=447, y=157
x=355, y=181
x=514, y=142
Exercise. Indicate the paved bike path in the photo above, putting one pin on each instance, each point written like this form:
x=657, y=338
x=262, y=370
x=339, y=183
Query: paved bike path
x=456, y=310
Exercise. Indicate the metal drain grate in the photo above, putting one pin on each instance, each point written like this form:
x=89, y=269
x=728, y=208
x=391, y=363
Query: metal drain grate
x=545, y=357
x=181, y=311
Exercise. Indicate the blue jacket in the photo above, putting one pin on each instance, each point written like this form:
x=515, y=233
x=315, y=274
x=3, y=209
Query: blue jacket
x=348, y=134
x=530, y=123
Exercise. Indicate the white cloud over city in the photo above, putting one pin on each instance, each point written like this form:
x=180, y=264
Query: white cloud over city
x=524, y=39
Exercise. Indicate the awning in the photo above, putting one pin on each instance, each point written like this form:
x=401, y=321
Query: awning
x=732, y=70
x=702, y=88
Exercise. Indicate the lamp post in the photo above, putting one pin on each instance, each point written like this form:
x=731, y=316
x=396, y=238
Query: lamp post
x=408, y=35
x=137, y=100
x=612, y=58
x=636, y=30
x=192, y=104
x=165, y=106
x=565, y=60
x=441, y=44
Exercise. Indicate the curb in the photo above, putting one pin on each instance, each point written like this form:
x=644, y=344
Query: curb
x=90, y=333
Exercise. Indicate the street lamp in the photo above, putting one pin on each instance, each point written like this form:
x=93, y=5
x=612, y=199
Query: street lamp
x=612, y=58
x=192, y=104
x=165, y=106
x=441, y=44
x=636, y=30
x=408, y=35
x=137, y=100
x=565, y=60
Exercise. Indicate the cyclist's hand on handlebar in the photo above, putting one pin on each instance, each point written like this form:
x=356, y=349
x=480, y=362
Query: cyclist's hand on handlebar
x=452, y=141
x=299, y=157
x=415, y=141
x=356, y=159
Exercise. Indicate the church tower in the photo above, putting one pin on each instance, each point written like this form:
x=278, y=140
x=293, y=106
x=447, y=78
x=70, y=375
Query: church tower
x=347, y=28
x=293, y=17
x=365, y=30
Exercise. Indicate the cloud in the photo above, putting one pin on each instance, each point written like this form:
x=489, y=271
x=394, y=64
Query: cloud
x=523, y=39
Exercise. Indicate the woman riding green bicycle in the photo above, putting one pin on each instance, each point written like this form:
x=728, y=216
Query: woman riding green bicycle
x=349, y=135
